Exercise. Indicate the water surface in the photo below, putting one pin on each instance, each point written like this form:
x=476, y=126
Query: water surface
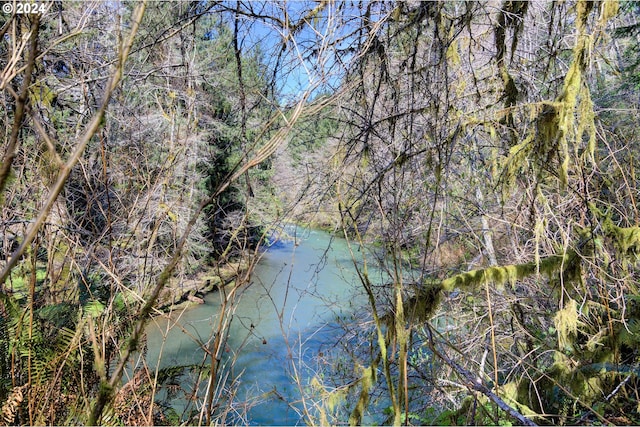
x=286, y=320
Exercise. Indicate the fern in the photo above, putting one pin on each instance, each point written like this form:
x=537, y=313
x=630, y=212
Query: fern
x=5, y=360
x=11, y=406
x=630, y=334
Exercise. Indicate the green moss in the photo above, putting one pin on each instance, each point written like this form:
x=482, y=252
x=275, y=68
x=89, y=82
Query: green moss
x=367, y=380
x=41, y=94
x=586, y=125
x=627, y=240
x=422, y=305
x=566, y=323
x=510, y=394
x=501, y=275
x=562, y=123
x=609, y=9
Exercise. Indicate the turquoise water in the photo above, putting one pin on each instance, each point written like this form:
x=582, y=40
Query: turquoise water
x=287, y=320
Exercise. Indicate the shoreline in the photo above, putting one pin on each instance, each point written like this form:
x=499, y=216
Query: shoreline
x=180, y=295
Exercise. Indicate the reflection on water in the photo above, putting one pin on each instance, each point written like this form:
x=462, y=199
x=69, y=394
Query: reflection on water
x=285, y=318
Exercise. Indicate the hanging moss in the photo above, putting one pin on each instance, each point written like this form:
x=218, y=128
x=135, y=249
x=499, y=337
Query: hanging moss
x=548, y=123
x=563, y=123
x=566, y=323
x=517, y=159
x=627, y=240
x=332, y=398
x=367, y=380
x=420, y=307
x=586, y=125
x=608, y=9
x=510, y=17
x=583, y=7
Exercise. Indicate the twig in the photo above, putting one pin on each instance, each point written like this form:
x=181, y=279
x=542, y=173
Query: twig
x=92, y=128
x=20, y=108
x=474, y=382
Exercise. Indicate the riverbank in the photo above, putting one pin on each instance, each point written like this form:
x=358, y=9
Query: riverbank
x=190, y=292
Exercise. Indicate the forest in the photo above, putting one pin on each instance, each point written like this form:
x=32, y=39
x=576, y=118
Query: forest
x=475, y=161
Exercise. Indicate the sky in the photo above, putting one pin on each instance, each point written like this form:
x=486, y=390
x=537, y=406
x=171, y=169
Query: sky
x=303, y=63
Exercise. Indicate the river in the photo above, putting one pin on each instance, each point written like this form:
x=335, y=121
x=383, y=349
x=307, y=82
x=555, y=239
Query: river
x=288, y=317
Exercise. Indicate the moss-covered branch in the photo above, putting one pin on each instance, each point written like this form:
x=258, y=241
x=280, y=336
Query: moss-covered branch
x=421, y=306
x=500, y=275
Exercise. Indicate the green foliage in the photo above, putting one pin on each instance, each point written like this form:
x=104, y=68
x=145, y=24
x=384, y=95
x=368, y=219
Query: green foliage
x=93, y=308
x=20, y=278
x=62, y=315
x=310, y=134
